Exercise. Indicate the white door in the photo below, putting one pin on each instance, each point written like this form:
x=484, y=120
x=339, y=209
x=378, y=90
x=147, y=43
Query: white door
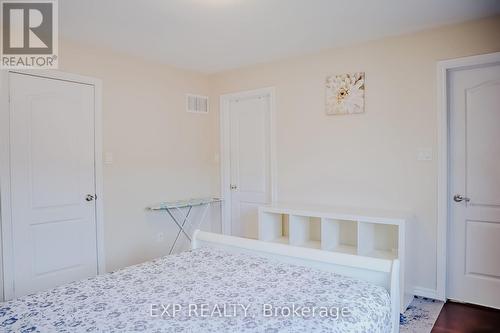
x=474, y=230
x=250, y=164
x=52, y=182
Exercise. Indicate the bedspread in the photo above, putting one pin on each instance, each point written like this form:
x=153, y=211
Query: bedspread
x=205, y=290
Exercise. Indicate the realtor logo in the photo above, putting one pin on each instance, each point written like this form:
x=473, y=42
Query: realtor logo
x=29, y=34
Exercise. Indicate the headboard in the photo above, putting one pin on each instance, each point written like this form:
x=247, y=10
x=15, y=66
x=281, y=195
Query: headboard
x=382, y=272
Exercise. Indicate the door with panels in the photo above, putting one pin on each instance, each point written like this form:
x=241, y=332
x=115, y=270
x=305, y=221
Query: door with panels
x=52, y=172
x=250, y=160
x=474, y=224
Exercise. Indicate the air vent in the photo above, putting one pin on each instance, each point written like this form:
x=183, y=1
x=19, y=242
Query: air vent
x=196, y=103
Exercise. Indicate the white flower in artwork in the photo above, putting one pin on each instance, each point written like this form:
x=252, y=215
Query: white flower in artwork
x=345, y=93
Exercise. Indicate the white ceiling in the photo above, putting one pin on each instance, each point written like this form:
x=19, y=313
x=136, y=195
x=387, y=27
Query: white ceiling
x=214, y=35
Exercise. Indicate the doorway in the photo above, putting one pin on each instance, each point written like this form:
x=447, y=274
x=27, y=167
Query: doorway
x=248, y=159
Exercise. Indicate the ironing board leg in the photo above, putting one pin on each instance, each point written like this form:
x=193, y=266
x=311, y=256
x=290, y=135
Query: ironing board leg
x=185, y=220
x=181, y=227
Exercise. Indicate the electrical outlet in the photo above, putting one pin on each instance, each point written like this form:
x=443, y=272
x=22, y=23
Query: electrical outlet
x=160, y=237
x=424, y=154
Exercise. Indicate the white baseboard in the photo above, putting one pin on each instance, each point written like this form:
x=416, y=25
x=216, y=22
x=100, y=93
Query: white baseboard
x=427, y=293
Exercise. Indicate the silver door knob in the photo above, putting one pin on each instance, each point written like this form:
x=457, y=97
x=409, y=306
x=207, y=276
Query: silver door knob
x=460, y=198
x=234, y=187
x=90, y=197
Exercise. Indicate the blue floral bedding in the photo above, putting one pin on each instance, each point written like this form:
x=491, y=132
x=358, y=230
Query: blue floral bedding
x=205, y=290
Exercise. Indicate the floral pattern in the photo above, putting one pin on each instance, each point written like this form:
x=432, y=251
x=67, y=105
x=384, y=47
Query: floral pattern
x=122, y=301
x=420, y=315
x=345, y=93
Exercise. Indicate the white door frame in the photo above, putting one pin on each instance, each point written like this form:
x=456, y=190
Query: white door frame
x=225, y=164
x=443, y=67
x=5, y=180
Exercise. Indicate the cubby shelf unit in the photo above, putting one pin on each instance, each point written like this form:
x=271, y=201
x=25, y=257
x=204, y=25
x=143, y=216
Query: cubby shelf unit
x=371, y=233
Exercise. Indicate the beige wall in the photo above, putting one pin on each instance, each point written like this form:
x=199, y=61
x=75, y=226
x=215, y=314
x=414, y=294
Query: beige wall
x=163, y=153
x=160, y=151
x=366, y=160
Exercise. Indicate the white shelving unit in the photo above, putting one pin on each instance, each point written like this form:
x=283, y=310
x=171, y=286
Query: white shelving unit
x=339, y=236
x=371, y=233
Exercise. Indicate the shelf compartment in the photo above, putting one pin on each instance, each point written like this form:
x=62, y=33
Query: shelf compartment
x=366, y=232
x=378, y=240
x=274, y=227
x=305, y=231
x=339, y=235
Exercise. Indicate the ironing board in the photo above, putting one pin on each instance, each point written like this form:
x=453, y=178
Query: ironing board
x=181, y=219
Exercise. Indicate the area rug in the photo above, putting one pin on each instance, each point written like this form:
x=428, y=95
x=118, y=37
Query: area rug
x=420, y=315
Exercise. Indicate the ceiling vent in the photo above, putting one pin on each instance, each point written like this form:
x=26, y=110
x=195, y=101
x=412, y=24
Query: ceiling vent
x=196, y=103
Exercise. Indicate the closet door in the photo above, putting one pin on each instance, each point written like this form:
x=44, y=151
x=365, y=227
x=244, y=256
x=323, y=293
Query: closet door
x=52, y=182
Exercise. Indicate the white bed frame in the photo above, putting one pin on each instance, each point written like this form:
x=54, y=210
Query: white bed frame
x=382, y=272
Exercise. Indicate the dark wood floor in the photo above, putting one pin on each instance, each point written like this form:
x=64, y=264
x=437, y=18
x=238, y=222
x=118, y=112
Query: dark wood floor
x=467, y=318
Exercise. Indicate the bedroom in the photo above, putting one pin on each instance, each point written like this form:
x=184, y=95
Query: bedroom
x=162, y=81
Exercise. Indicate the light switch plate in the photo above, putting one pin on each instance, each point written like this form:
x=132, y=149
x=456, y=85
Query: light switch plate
x=108, y=158
x=424, y=154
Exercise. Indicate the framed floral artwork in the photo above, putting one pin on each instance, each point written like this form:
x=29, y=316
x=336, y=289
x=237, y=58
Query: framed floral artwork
x=345, y=93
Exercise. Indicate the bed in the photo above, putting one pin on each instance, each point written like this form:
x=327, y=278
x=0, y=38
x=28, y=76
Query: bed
x=224, y=284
